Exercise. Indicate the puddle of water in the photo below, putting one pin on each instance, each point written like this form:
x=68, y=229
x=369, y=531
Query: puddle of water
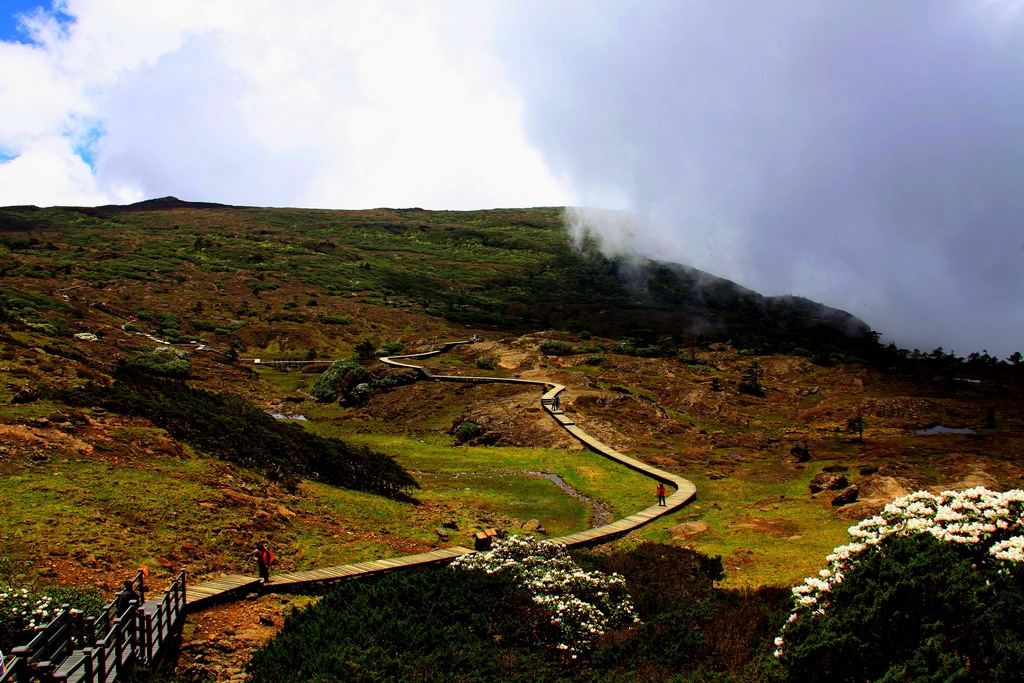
x=939, y=429
x=282, y=416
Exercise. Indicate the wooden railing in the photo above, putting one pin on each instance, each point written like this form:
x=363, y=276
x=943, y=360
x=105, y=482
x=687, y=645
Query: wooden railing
x=101, y=648
x=51, y=642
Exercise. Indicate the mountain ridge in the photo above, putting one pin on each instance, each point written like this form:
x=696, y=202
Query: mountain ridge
x=505, y=268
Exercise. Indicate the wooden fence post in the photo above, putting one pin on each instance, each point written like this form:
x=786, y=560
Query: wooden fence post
x=89, y=665
x=119, y=632
x=148, y=621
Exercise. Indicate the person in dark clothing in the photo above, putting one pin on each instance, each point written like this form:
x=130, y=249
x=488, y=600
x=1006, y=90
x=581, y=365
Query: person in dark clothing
x=127, y=597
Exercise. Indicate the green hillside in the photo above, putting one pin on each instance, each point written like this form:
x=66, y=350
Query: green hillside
x=144, y=421
x=508, y=269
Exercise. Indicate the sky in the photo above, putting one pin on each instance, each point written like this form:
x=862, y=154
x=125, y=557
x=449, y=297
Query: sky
x=867, y=154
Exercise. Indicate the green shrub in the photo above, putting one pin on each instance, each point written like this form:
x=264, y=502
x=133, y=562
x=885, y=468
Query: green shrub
x=165, y=361
x=690, y=630
x=583, y=605
x=595, y=360
x=485, y=363
x=87, y=599
x=22, y=609
x=624, y=346
x=467, y=431
x=444, y=625
x=335, y=319
x=338, y=382
x=591, y=348
x=164, y=321
x=916, y=610
x=383, y=383
x=365, y=349
x=556, y=348
x=425, y=625
x=930, y=589
x=390, y=348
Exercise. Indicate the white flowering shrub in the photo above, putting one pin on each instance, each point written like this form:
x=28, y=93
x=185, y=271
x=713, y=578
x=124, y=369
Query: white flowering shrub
x=583, y=605
x=910, y=592
x=20, y=612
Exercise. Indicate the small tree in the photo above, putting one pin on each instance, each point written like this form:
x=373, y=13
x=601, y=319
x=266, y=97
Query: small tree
x=855, y=425
x=365, y=349
x=751, y=381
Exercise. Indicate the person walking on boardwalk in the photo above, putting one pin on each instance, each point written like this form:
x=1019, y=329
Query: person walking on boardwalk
x=661, y=495
x=264, y=559
x=556, y=402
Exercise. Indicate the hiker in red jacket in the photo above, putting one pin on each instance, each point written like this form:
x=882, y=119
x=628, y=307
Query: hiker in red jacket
x=661, y=495
x=264, y=558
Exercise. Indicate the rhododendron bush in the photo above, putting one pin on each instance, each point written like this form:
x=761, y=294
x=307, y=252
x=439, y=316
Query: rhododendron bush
x=929, y=589
x=20, y=612
x=22, y=609
x=583, y=605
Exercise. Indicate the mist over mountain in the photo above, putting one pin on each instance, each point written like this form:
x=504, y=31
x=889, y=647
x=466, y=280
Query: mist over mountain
x=508, y=268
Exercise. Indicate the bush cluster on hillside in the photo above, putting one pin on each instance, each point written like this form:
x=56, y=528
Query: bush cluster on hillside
x=440, y=624
x=230, y=427
x=929, y=590
x=917, y=609
x=349, y=383
x=165, y=361
x=583, y=605
x=427, y=625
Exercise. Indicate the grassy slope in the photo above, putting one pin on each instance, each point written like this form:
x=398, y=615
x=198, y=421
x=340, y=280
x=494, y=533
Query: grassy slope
x=509, y=268
x=108, y=491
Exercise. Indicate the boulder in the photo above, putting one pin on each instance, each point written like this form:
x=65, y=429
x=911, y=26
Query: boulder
x=828, y=481
x=534, y=526
x=846, y=497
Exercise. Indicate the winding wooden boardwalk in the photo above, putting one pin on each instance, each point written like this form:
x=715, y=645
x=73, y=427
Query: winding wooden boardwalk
x=232, y=587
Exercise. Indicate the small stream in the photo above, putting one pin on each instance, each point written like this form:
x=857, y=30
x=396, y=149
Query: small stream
x=939, y=429
x=284, y=416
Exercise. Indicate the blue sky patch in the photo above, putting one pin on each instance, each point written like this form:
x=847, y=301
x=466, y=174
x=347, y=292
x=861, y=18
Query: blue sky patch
x=85, y=146
x=10, y=28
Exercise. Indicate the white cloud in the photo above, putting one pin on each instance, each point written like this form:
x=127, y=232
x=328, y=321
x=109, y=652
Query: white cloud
x=48, y=173
x=865, y=154
x=317, y=103
x=868, y=155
